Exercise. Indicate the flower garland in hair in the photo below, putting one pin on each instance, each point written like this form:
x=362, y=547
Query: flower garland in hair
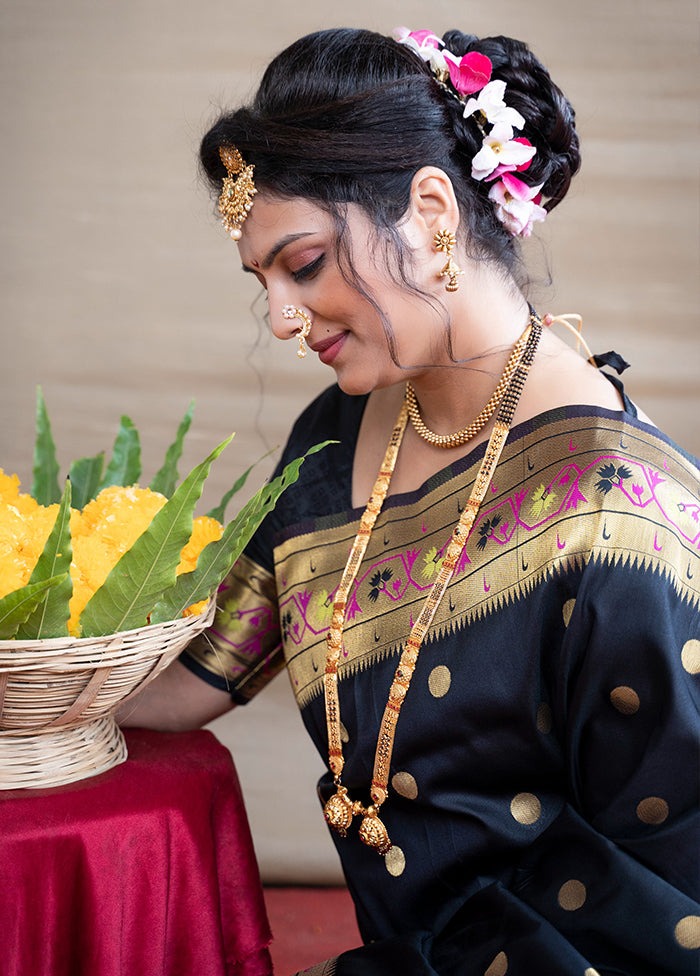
x=518, y=206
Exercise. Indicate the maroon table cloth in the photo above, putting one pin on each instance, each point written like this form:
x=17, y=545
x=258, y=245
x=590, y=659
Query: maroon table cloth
x=146, y=870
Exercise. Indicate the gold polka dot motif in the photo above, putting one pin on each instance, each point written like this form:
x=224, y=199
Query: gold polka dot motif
x=590, y=971
x=499, y=966
x=625, y=700
x=572, y=895
x=652, y=810
x=405, y=785
x=439, y=681
x=687, y=932
x=544, y=719
x=526, y=808
x=690, y=656
x=567, y=610
x=395, y=861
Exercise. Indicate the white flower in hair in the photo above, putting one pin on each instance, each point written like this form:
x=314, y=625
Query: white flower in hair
x=490, y=103
x=500, y=149
x=517, y=204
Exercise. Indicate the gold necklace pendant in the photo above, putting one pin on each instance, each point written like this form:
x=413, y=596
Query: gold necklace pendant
x=373, y=833
x=338, y=811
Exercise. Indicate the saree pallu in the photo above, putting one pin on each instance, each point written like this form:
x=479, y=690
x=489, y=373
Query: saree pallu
x=543, y=796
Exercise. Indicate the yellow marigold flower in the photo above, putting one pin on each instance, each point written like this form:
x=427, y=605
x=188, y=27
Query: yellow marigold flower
x=82, y=592
x=204, y=531
x=120, y=515
x=14, y=573
x=10, y=494
x=107, y=527
x=9, y=487
x=23, y=534
x=195, y=609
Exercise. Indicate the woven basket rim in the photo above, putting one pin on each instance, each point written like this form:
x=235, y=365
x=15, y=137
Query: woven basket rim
x=12, y=650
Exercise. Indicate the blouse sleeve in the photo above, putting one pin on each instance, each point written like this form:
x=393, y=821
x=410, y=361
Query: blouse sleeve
x=241, y=651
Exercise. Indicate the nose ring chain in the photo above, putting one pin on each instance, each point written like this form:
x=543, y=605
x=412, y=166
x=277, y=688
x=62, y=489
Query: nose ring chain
x=292, y=312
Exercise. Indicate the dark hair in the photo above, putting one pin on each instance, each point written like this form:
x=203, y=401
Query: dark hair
x=349, y=116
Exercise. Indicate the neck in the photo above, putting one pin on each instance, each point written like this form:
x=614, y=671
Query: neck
x=486, y=322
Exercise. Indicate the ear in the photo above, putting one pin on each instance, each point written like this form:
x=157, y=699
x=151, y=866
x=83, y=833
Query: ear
x=433, y=206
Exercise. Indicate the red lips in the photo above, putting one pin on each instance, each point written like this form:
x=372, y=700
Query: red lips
x=329, y=348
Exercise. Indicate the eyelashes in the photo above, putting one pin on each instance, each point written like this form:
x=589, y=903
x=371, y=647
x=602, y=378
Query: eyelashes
x=309, y=270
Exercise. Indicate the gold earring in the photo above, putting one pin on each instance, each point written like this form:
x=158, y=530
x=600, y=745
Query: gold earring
x=444, y=241
x=292, y=312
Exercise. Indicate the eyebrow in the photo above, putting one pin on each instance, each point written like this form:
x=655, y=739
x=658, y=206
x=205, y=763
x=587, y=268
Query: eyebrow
x=275, y=250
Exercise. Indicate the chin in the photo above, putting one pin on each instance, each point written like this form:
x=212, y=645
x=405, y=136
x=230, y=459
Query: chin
x=354, y=384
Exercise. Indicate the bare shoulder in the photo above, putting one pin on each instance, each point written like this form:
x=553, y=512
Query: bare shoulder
x=561, y=377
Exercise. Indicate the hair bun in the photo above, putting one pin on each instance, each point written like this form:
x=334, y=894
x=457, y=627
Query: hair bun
x=549, y=117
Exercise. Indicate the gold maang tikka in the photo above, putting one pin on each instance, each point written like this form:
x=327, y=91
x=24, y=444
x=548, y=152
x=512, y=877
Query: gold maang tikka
x=444, y=241
x=237, y=191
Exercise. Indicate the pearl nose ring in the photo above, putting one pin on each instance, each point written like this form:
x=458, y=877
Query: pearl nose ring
x=292, y=312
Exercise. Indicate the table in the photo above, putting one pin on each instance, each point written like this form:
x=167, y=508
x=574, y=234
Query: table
x=146, y=870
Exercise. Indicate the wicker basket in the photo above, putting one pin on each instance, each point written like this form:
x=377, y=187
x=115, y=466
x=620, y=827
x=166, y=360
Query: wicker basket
x=58, y=698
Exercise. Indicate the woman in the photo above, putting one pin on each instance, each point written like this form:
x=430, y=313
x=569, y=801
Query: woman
x=503, y=673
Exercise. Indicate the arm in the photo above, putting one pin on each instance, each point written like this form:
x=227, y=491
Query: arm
x=228, y=664
x=175, y=701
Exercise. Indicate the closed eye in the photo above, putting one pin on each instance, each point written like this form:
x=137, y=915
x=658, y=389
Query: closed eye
x=309, y=270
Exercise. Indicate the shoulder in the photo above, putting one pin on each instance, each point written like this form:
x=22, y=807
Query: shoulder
x=602, y=489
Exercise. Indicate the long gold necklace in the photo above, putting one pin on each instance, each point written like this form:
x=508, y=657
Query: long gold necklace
x=340, y=809
x=466, y=433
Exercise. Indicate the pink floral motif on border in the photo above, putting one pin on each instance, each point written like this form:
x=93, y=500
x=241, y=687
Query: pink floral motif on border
x=414, y=569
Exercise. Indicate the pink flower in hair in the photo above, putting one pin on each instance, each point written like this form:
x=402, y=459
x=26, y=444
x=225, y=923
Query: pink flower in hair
x=499, y=148
x=517, y=204
x=423, y=42
x=470, y=73
x=425, y=38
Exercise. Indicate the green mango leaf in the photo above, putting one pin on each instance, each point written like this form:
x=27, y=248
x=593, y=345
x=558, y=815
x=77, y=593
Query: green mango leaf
x=45, y=487
x=125, y=466
x=217, y=558
x=136, y=583
x=18, y=605
x=84, y=476
x=50, y=617
x=167, y=478
x=219, y=513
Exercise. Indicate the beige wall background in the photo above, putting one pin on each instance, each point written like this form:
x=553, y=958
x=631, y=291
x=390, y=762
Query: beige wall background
x=121, y=293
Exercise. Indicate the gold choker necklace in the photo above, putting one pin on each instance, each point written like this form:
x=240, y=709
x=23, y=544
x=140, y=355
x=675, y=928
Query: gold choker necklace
x=340, y=809
x=466, y=433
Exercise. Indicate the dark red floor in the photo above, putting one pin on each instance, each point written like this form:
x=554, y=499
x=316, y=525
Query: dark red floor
x=309, y=925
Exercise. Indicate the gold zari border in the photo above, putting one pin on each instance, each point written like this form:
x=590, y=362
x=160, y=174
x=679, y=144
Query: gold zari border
x=242, y=647
x=545, y=514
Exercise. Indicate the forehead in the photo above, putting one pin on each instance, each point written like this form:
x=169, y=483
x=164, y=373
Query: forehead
x=273, y=218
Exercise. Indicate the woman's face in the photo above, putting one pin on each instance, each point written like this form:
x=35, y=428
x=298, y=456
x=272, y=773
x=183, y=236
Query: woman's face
x=289, y=245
